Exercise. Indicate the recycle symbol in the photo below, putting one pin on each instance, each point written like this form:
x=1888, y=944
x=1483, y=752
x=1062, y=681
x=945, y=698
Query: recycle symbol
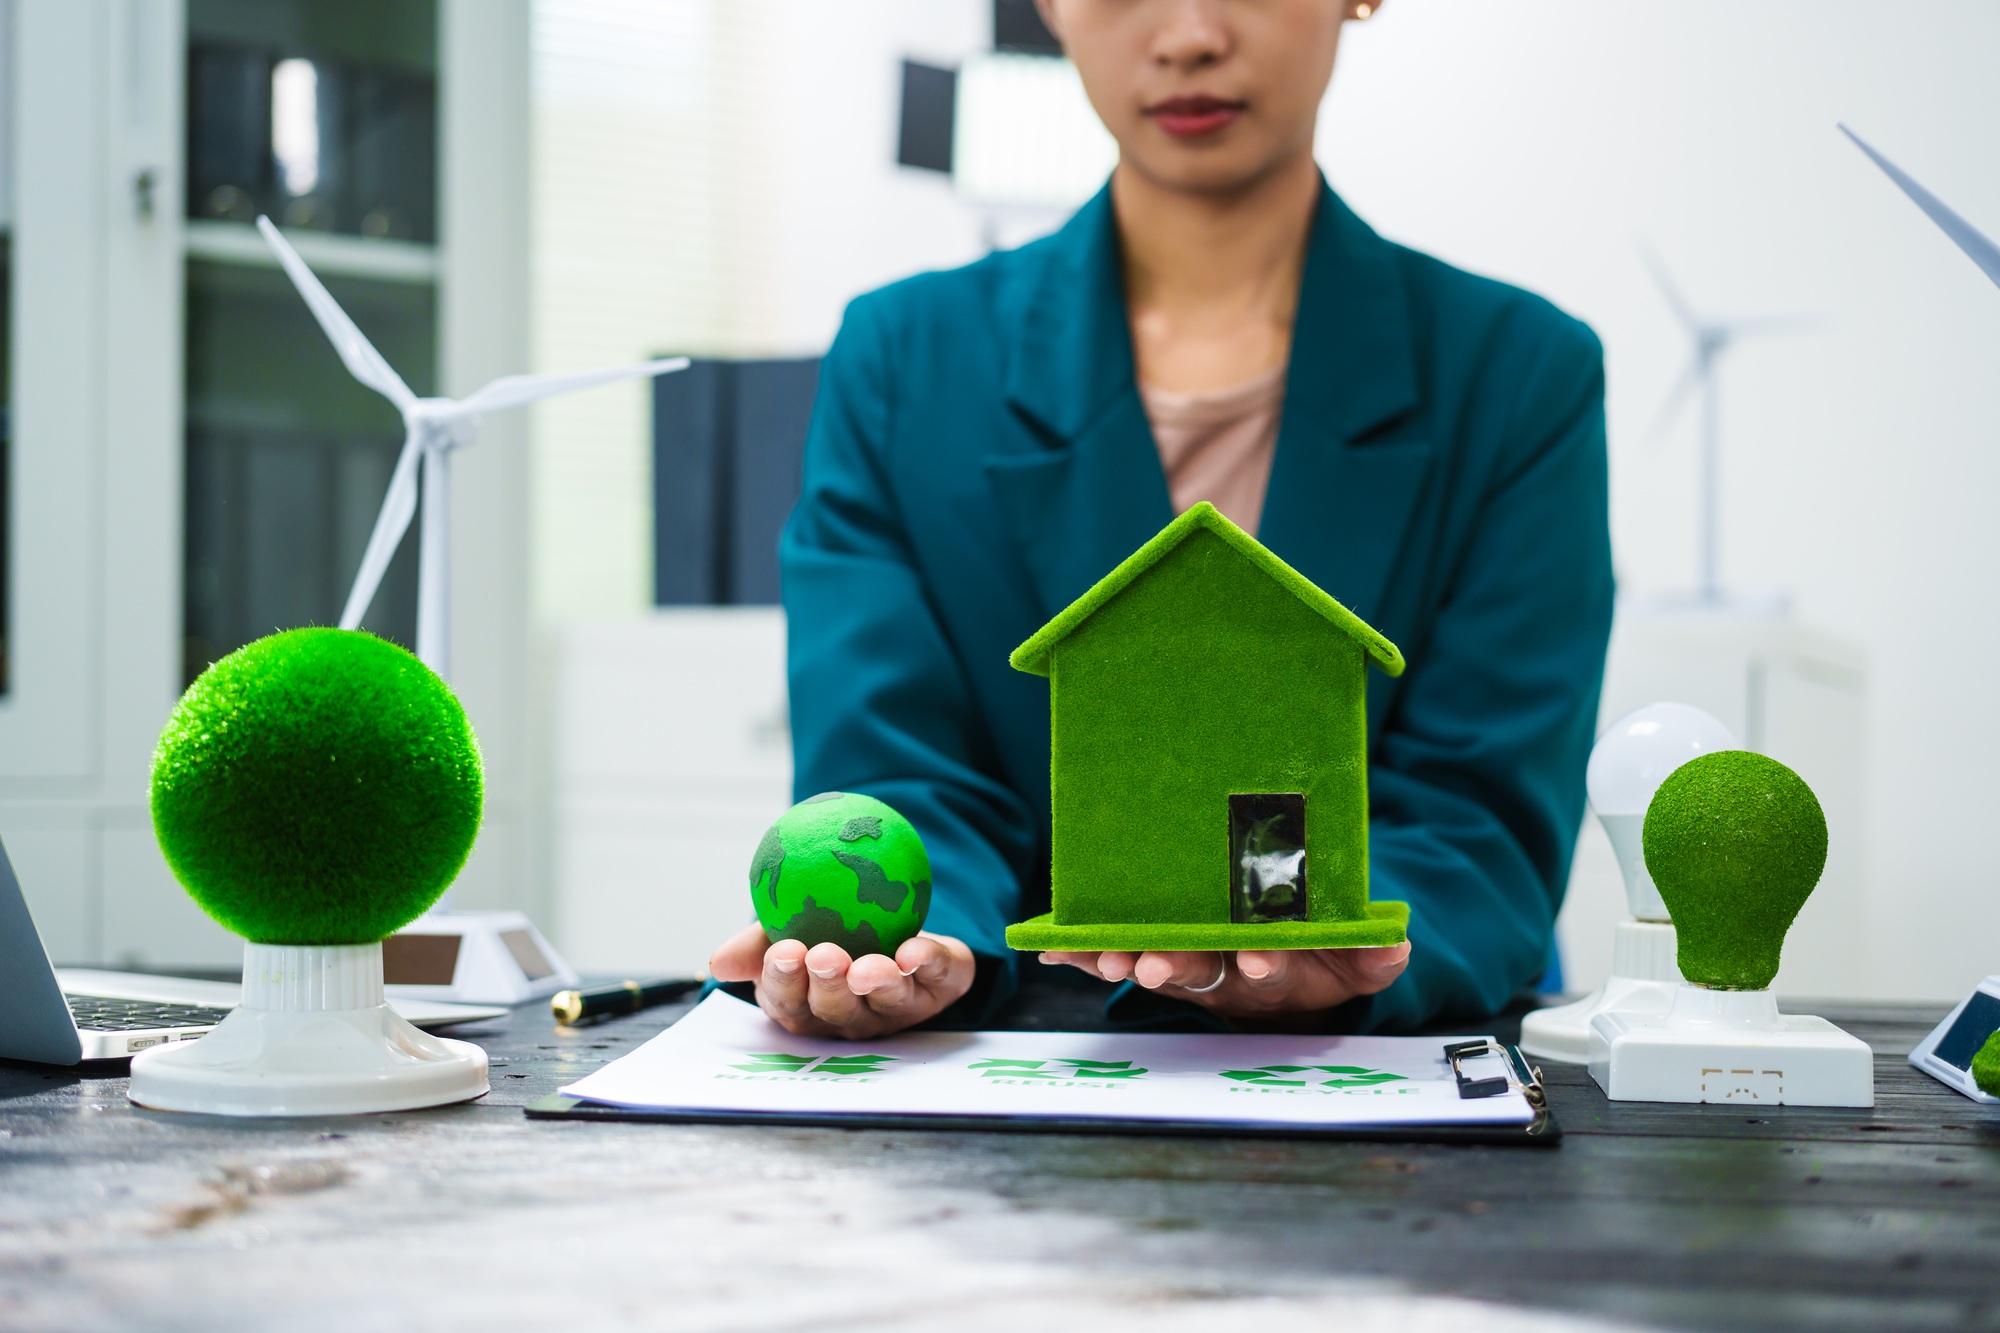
x=1345, y=1076
x=1056, y=1069
x=775, y=1062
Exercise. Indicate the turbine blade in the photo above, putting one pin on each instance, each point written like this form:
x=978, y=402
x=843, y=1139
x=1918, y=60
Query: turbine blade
x=356, y=352
x=1681, y=308
x=1677, y=398
x=1763, y=324
x=399, y=506
x=520, y=390
x=1968, y=238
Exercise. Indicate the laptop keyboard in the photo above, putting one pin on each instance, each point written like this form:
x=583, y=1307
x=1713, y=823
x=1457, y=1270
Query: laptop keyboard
x=97, y=1013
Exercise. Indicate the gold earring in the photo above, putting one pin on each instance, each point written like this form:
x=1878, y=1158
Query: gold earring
x=1363, y=10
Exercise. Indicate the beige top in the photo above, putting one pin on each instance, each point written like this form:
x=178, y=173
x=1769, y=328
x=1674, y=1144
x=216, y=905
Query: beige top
x=1218, y=446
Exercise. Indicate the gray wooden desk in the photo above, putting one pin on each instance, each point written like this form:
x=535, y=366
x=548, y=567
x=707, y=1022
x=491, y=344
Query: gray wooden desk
x=475, y=1217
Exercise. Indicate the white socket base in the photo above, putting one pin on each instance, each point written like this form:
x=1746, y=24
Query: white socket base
x=313, y=1036
x=1729, y=1046
x=1643, y=979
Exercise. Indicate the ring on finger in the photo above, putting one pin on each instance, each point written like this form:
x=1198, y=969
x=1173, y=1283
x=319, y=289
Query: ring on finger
x=1221, y=975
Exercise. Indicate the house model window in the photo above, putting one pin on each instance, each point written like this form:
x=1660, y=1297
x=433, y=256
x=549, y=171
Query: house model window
x=1204, y=698
x=1267, y=856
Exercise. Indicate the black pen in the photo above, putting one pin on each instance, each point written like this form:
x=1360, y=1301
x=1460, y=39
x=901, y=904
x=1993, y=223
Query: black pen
x=627, y=997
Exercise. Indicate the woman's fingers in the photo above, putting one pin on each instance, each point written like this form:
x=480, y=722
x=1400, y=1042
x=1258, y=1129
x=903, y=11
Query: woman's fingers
x=880, y=980
x=741, y=956
x=822, y=992
x=781, y=985
x=1116, y=966
x=1195, y=971
x=827, y=992
x=940, y=968
x=1372, y=970
x=1264, y=969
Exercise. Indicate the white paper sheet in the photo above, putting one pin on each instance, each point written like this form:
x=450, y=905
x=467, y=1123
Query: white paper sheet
x=726, y=1056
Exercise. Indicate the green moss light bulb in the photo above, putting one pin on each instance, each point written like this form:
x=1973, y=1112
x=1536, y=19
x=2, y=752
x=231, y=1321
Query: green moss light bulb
x=843, y=869
x=1735, y=842
x=1986, y=1067
x=317, y=787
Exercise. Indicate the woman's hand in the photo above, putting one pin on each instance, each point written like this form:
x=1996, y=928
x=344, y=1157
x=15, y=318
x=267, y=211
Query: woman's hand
x=821, y=992
x=1253, y=983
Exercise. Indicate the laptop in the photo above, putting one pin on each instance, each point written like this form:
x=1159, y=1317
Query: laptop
x=63, y=1017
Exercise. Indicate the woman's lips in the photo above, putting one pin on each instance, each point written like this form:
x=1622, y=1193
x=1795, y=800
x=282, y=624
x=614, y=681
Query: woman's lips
x=1193, y=117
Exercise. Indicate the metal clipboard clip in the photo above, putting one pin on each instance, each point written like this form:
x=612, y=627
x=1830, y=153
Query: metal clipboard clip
x=1518, y=1074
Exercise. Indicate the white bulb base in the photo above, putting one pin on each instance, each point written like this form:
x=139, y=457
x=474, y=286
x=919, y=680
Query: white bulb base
x=1643, y=979
x=313, y=1036
x=1729, y=1046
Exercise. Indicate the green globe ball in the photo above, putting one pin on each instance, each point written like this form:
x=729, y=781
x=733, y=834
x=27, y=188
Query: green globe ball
x=1735, y=841
x=319, y=786
x=843, y=869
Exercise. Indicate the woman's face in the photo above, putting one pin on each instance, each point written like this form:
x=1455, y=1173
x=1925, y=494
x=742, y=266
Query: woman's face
x=1203, y=95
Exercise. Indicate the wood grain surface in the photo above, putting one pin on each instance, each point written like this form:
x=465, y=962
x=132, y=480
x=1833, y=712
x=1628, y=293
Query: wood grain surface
x=475, y=1217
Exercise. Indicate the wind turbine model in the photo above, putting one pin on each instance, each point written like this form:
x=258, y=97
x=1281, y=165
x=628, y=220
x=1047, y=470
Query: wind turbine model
x=432, y=427
x=1949, y=1053
x=479, y=957
x=1711, y=338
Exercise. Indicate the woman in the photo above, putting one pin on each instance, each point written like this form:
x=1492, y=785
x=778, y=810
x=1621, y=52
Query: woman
x=1425, y=445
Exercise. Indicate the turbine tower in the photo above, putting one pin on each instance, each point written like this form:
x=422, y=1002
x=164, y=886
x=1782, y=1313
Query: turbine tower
x=1711, y=339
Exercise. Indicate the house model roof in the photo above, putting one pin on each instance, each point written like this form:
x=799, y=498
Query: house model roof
x=1033, y=656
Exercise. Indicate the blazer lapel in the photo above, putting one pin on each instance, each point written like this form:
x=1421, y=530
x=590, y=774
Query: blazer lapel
x=1349, y=465
x=1094, y=492
x=1346, y=476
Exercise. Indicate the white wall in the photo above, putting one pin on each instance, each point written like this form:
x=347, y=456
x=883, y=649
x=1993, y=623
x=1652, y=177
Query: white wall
x=483, y=333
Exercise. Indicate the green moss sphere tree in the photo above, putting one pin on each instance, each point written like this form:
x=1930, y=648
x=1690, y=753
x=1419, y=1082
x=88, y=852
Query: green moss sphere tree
x=1735, y=841
x=844, y=869
x=319, y=786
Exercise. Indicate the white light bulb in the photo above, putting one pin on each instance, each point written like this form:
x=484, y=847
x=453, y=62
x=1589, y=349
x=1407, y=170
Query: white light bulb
x=1637, y=752
x=1629, y=762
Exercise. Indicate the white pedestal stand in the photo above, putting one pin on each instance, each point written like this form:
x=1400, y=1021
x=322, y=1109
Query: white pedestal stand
x=1643, y=971
x=312, y=1036
x=1643, y=980
x=1729, y=1046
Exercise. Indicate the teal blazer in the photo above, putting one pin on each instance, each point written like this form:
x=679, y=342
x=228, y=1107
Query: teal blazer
x=978, y=458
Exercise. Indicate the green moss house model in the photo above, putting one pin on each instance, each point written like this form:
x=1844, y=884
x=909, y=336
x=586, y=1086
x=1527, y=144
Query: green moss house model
x=1209, y=755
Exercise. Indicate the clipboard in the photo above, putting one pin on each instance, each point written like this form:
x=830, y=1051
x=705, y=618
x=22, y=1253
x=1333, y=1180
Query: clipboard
x=726, y=1063
x=1542, y=1132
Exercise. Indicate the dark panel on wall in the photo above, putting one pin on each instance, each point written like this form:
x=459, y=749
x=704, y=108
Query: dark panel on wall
x=930, y=101
x=774, y=401
x=1017, y=26
x=691, y=411
x=727, y=442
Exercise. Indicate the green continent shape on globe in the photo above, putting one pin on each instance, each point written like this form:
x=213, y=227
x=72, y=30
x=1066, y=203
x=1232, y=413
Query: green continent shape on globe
x=845, y=869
